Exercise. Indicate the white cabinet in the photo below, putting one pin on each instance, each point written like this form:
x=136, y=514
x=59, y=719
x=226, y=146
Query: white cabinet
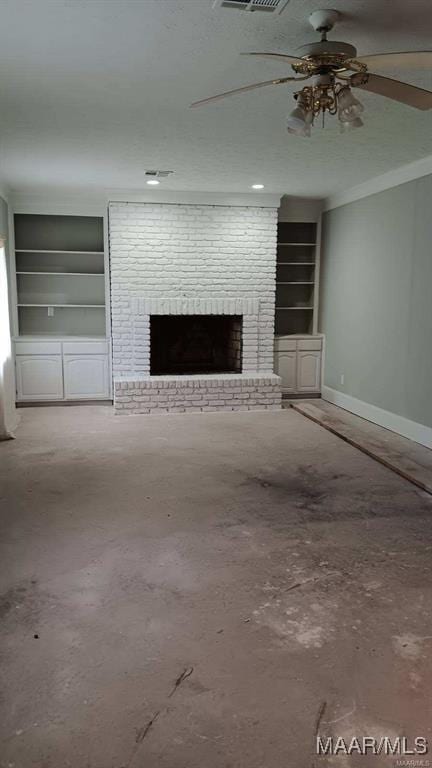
x=298, y=362
x=39, y=377
x=62, y=370
x=308, y=371
x=287, y=369
x=85, y=376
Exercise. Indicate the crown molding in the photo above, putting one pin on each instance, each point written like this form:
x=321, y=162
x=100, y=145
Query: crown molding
x=394, y=178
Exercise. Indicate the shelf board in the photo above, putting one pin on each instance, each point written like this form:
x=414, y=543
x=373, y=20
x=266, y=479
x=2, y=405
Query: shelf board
x=101, y=306
x=305, y=335
x=74, y=274
x=296, y=263
x=63, y=336
x=82, y=253
x=295, y=282
x=308, y=308
x=279, y=243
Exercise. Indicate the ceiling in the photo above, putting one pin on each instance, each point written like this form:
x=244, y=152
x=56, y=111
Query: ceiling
x=93, y=92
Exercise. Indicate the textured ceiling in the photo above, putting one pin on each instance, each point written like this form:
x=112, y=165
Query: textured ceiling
x=96, y=91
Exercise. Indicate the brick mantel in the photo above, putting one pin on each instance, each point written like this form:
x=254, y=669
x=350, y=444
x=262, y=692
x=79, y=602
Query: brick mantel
x=195, y=306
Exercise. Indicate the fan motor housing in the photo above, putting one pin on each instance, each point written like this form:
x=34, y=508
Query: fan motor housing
x=325, y=56
x=327, y=48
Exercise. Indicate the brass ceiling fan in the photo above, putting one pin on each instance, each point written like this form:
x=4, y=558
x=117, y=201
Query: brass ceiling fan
x=334, y=69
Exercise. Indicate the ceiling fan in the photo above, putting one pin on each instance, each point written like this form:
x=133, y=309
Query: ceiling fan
x=334, y=69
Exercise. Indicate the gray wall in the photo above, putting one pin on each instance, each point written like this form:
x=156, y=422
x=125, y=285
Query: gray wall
x=376, y=299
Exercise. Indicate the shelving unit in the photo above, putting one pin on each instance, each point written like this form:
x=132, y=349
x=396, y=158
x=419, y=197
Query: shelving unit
x=298, y=347
x=61, y=349
x=295, y=278
x=60, y=275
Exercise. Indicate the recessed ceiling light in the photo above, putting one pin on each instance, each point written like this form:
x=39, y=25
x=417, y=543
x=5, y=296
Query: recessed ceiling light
x=257, y=186
x=153, y=182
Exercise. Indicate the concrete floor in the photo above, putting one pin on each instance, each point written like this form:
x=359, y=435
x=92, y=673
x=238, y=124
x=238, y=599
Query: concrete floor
x=271, y=564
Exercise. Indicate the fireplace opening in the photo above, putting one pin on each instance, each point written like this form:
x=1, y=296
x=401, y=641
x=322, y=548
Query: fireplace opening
x=182, y=344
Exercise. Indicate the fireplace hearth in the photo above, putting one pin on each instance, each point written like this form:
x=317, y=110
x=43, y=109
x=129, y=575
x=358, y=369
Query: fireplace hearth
x=194, y=344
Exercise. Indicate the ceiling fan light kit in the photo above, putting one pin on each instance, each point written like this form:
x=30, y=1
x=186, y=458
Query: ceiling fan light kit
x=335, y=69
x=324, y=96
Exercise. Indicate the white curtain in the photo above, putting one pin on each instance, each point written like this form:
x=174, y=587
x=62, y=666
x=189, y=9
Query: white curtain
x=7, y=379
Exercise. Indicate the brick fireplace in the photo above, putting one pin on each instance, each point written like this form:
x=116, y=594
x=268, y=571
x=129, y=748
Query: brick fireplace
x=192, y=292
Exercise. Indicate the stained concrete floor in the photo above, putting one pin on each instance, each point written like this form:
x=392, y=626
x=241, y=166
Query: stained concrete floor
x=271, y=564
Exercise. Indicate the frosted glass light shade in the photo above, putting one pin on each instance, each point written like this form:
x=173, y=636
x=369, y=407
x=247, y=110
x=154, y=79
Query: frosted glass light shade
x=350, y=125
x=349, y=107
x=299, y=122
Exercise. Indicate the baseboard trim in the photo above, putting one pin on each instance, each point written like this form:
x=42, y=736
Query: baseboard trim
x=392, y=421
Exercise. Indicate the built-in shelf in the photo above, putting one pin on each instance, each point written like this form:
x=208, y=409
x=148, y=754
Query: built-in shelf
x=295, y=278
x=72, y=274
x=55, y=257
x=62, y=305
x=59, y=336
x=57, y=250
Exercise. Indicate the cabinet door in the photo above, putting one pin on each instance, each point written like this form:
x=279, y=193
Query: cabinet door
x=285, y=367
x=308, y=371
x=85, y=376
x=39, y=377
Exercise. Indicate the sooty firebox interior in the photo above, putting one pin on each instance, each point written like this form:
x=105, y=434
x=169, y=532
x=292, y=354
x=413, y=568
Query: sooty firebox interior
x=182, y=344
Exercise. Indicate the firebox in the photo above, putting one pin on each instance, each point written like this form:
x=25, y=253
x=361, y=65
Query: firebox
x=185, y=344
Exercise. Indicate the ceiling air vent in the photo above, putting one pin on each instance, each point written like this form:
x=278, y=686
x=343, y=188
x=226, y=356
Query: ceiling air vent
x=158, y=174
x=253, y=5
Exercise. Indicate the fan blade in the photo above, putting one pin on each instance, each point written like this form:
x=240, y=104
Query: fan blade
x=280, y=56
x=414, y=59
x=245, y=88
x=394, y=89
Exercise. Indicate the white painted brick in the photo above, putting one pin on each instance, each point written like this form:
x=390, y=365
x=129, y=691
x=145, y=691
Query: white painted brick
x=176, y=252
x=192, y=259
x=165, y=394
